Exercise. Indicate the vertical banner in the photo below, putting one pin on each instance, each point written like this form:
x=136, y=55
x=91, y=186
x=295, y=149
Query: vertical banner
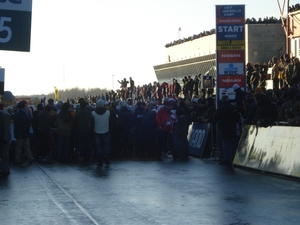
x=15, y=25
x=2, y=72
x=230, y=45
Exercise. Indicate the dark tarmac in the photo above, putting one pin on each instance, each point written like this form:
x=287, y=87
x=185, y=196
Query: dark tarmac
x=139, y=192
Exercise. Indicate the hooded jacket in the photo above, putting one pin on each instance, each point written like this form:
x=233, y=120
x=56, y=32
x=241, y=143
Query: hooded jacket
x=100, y=122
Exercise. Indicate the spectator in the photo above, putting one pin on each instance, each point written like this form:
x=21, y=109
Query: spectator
x=165, y=123
x=250, y=108
x=100, y=122
x=275, y=74
x=64, y=126
x=137, y=118
x=5, y=139
x=22, y=123
x=226, y=118
x=181, y=130
x=125, y=115
x=239, y=96
x=266, y=113
x=45, y=122
x=296, y=73
x=149, y=130
x=83, y=125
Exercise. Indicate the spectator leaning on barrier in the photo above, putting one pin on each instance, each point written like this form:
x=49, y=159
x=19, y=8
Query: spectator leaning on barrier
x=100, y=122
x=287, y=103
x=250, y=107
x=266, y=113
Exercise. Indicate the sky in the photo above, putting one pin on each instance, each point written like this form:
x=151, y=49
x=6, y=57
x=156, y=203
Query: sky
x=95, y=43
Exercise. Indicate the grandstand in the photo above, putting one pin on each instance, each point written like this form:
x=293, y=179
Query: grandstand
x=198, y=56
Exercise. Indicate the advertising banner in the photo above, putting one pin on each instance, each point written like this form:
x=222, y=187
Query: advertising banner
x=15, y=25
x=207, y=82
x=230, y=45
x=272, y=149
x=197, y=137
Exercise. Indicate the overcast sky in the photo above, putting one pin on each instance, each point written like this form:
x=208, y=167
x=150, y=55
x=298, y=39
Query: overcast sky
x=91, y=43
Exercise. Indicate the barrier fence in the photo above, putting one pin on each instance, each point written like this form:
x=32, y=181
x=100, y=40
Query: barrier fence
x=274, y=149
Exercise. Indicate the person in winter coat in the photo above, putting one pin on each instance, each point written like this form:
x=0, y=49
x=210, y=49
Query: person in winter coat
x=5, y=139
x=100, y=121
x=181, y=130
x=22, y=123
x=227, y=117
x=64, y=127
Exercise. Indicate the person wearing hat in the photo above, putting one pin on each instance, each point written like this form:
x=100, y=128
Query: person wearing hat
x=100, y=122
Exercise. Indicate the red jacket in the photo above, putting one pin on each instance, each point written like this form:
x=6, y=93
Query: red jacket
x=165, y=119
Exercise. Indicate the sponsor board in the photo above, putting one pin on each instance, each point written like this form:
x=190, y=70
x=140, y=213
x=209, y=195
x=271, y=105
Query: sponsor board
x=198, y=135
x=231, y=69
x=235, y=32
x=15, y=25
x=207, y=82
x=230, y=20
x=230, y=12
x=229, y=81
x=227, y=91
x=220, y=48
x=271, y=149
x=231, y=56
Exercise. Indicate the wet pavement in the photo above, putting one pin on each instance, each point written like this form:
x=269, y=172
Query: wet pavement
x=199, y=191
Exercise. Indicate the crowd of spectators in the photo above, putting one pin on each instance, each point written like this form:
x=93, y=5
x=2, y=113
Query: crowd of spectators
x=266, y=20
x=150, y=120
x=294, y=8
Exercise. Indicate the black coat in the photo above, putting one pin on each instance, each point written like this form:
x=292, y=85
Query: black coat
x=22, y=123
x=226, y=117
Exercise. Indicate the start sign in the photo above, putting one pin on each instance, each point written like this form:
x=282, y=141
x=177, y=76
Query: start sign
x=15, y=25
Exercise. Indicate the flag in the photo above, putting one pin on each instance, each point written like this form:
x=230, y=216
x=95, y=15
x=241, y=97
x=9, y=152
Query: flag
x=56, y=94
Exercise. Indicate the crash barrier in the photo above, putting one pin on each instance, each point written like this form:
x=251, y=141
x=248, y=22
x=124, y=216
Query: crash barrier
x=200, y=139
x=274, y=149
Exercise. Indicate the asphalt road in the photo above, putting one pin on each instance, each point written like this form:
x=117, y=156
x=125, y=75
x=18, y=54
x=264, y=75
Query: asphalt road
x=146, y=192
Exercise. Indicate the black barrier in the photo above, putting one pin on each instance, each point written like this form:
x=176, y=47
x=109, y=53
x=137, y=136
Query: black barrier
x=273, y=149
x=199, y=142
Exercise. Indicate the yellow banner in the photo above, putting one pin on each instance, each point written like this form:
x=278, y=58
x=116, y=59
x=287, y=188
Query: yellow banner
x=230, y=47
x=56, y=94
